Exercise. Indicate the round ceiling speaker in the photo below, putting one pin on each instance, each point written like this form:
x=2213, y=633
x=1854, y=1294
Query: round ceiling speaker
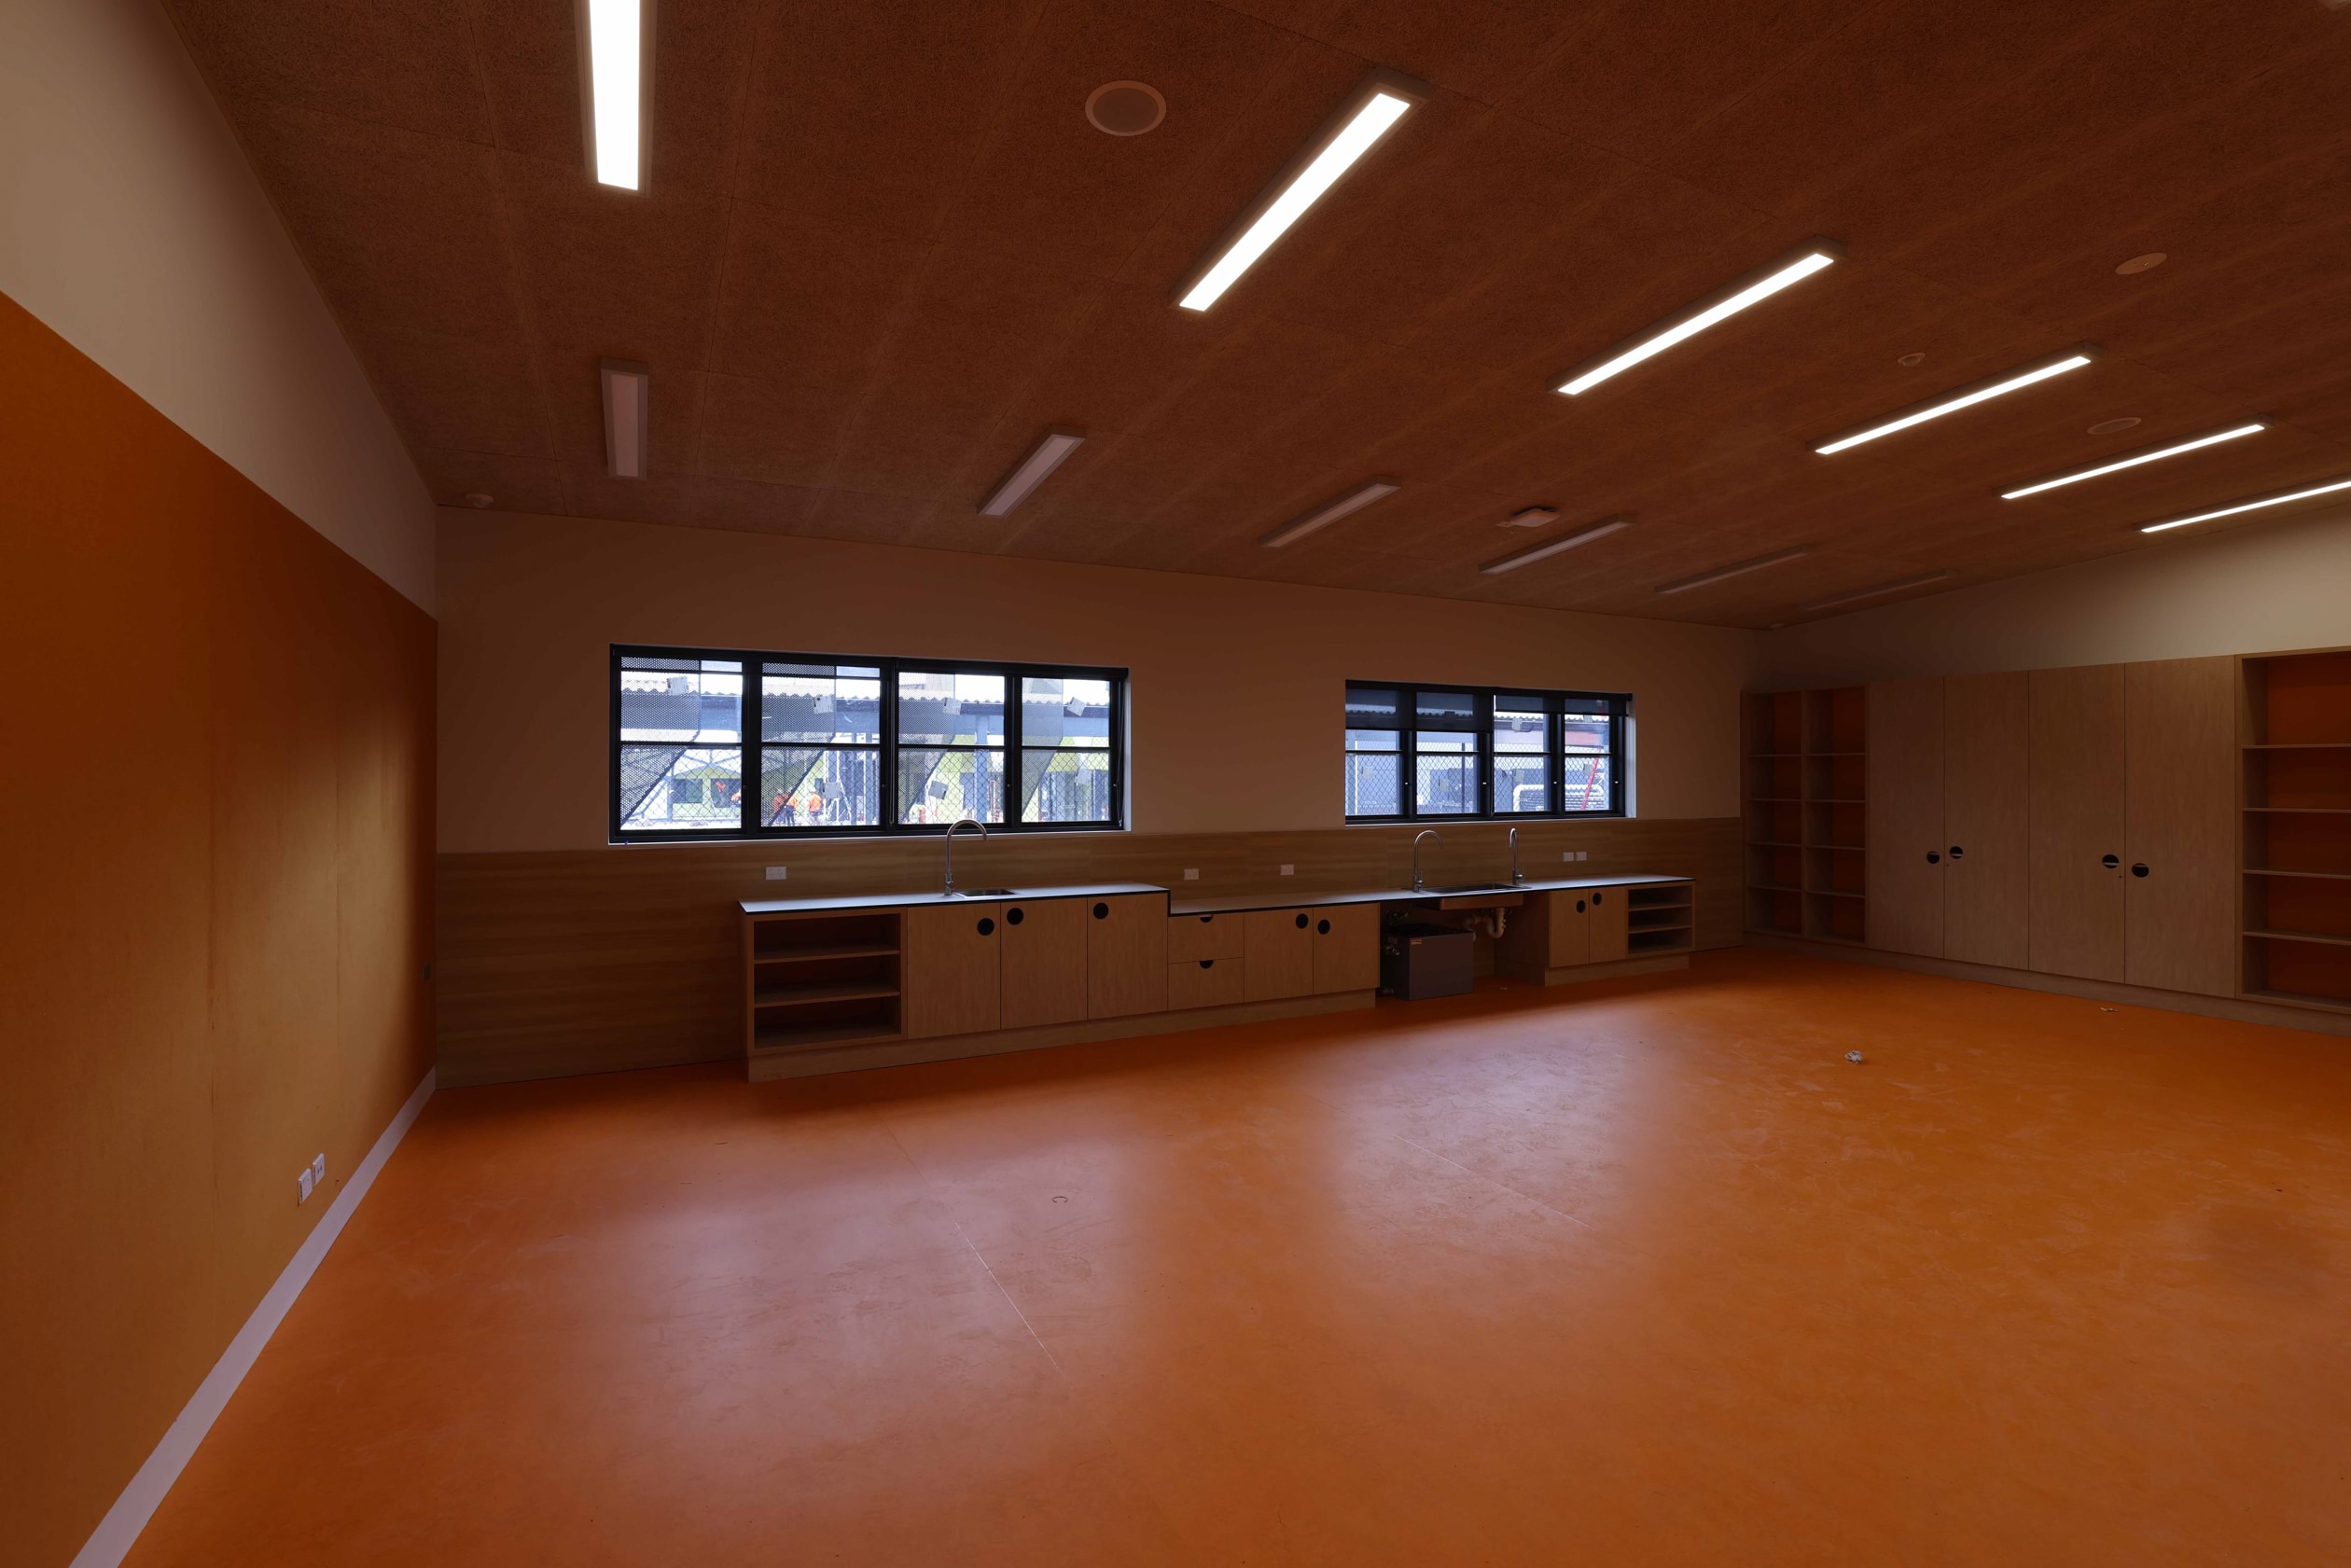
x=477, y=500
x=2113, y=426
x=1531, y=517
x=2147, y=263
x=1125, y=108
x=1909, y=359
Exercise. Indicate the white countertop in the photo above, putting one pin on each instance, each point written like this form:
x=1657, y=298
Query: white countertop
x=917, y=900
x=1302, y=898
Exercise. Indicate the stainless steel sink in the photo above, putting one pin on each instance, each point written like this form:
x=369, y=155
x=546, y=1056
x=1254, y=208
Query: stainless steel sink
x=982, y=892
x=1471, y=887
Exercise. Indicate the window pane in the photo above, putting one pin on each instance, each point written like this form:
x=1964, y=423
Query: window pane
x=943, y=786
x=1372, y=706
x=1586, y=732
x=1065, y=711
x=1522, y=781
x=667, y=789
x=686, y=699
x=819, y=704
x=814, y=786
x=1372, y=781
x=1519, y=723
x=936, y=709
x=1445, y=710
x=1588, y=784
x=1071, y=784
x=1445, y=774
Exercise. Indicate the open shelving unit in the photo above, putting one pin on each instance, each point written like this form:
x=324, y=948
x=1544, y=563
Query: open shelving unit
x=1659, y=918
x=821, y=978
x=2296, y=836
x=1805, y=787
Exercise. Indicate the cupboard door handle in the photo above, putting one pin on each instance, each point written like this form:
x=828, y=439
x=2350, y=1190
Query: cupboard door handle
x=1208, y=964
x=987, y=928
x=1101, y=912
x=1322, y=928
x=1301, y=923
x=1205, y=919
x=1956, y=851
x=2111, y=862
x=1595, y=900
x=2139, y=869
x=1580, y=906
x=1013, y=916
x=1933, y=859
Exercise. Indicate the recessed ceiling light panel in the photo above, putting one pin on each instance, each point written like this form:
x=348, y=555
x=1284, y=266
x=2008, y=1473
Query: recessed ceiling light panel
x=1049, y=452
x=1736, y=569
x=1381, y=100
x=2153, y=454
x=1963, y=397
x=1877, y=591
x=616, y=70
x=1330, y=511
x=2328, y=489
x=1548, y=548
x=1725, y=302
x=1531, y=517
x=1125, y=108
x=2147, y=263
x=628, y=403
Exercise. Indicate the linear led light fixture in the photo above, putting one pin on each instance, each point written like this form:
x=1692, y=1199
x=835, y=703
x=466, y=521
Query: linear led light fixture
x=1532, y=553
x=616, y=70
x=1736, y=296
x=1059, y=441
x=1378, y=102
x=1330, y=512
x=1965, y=397
x=2150, y=455
x=628, y=406
x=2328, y=489
x=1736, y=569
x=1859, y=594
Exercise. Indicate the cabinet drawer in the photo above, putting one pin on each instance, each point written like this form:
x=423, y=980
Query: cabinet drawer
x=1206, y=982
x=1190, y=937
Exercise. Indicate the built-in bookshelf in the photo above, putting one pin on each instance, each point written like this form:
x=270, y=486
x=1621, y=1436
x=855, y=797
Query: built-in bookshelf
x=2297, y=829
x=1805, y=787
x=819, y=978
x=1659, y=918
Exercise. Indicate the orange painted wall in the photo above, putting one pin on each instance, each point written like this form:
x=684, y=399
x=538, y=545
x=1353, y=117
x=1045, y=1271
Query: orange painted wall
x=217, y=793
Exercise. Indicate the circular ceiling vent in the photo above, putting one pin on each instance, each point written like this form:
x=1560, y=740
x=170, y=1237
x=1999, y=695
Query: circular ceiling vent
x=477, y=500
x=1909, y=359
x=2113, y=426
x=2138, y=264
x=1125, y=108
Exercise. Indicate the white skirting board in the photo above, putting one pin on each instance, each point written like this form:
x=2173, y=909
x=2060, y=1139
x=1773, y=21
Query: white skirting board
x=116, y=1533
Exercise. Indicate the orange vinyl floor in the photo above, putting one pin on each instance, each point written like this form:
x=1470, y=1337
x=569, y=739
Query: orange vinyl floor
x=1635, y=1273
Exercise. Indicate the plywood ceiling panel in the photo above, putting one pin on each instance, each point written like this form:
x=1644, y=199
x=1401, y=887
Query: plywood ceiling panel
x=881, y=249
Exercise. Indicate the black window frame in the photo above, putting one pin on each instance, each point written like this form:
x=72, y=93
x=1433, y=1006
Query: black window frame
x=1619, y=712
x=748, y=826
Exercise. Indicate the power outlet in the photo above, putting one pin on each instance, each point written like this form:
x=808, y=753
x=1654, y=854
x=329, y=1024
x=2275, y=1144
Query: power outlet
x=1191, y=873
x=1567, y=854
x=318, y=1169
x=776, y=873
x=302, y=1185
x=1289, y=870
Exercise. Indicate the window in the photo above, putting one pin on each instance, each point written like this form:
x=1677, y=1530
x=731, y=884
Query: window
x=1431, y=753
x=858, y=746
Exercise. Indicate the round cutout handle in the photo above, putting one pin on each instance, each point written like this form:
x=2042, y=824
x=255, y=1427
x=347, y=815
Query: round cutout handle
x=1101, y=912
x=1013, y=915
x=1322, y=928
x=1933, y=858
x=1580, y=906
x=2111, y=862
x=987, y=927
x=2139, y=869
x=1208, y=964
x=1956, y=853
x=1595, y=900
x=1301, y=923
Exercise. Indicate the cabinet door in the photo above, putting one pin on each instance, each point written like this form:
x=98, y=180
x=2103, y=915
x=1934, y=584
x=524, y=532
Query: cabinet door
x=1280, y=958
x=1570, y=927
x=1904, y=851
x=1044, y=962
x=2181, y=862
x=2076, y=922
x=1346, y=946
x=953, y=972
x=1126, y=955
x=1986, y=813
x=1607, y=924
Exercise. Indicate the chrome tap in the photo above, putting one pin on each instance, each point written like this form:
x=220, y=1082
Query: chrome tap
x=1424, y=833
x=1517, y=875
x=949, y=889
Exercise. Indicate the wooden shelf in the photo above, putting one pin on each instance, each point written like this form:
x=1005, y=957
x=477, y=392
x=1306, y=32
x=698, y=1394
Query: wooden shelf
x=827, y=1034
x=2296, y=999
x=1835, y=801
x=1776, y=799
x=2301, y=745
x=2302, y=936
x=1833, y=937
x=809, y=995
x=811, y=955
x=1840, y=849
x=2306, y=811
x=2317, y=876
x=1773, y=887
x=1833, y=892
x=1836, y=753
x=1761, y=755
x=1639, y=930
